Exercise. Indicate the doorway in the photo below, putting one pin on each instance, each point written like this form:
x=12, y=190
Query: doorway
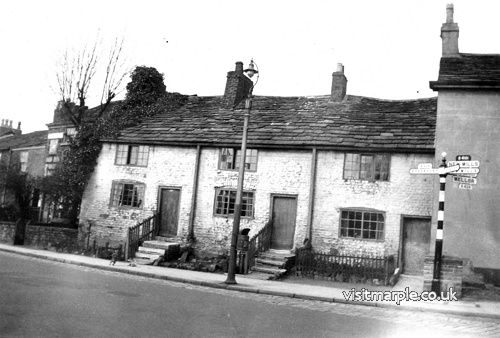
x=169, y=211
x=284, y=211
x=415, y=244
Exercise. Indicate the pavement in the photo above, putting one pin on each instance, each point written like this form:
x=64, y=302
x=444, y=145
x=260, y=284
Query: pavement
x=302, y=290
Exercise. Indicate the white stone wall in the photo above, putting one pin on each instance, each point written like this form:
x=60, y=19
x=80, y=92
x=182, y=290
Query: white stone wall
x=167, y=167
x=403, y=194
x=278, y=172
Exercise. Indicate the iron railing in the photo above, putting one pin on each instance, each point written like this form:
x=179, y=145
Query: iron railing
x=259, y=243
x=144, y=231
x=344, y=268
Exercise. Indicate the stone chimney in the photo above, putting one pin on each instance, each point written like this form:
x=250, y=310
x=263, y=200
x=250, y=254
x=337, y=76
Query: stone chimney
x=339, y=84
x=237, y=86
x=449, y=34
x=6, y=128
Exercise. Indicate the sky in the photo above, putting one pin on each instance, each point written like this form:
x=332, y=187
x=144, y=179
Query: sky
x=390, y=49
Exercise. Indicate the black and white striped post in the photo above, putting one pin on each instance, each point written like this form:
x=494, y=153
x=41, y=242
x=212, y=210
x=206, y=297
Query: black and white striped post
x=436, y=277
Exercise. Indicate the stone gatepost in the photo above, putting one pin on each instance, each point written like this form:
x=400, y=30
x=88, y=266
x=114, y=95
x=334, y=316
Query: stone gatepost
x=451, y=274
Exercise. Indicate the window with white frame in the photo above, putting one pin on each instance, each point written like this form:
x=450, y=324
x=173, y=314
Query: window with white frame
x=23, y=159
x=225, y=200
x=53, y=144
x=362, y=224
x=229, y=159
x=132, y=155
x=371, y=167
x=127, y=194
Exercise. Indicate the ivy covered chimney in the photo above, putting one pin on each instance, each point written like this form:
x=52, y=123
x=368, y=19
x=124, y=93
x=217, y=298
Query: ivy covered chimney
x=449, y=34
x=237, y=86
x=339, y=84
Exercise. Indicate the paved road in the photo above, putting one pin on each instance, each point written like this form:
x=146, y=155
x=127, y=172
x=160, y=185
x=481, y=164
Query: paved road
x=47, y=299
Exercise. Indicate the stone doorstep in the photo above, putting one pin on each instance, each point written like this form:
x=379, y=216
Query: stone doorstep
x=272, y=262
x=167, y=239
x=153, y=251
x=160, y=245
x=273, y=271
x=151, y=257
x=276, y=256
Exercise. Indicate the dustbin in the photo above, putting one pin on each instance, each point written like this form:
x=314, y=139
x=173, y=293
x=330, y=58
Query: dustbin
x=243, y=240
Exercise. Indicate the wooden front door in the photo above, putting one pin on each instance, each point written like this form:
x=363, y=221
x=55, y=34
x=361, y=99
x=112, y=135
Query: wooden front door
x=169, y=211
x=416, y=239
x=284, y=212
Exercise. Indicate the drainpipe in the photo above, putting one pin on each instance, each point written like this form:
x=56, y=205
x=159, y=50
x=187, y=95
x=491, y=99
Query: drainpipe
x=5, y=181
x=194, y=195
x=312, y=189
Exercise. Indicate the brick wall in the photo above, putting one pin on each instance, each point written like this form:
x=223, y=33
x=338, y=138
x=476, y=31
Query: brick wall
x=451, y=274
x=7, y=232
x=62, y=239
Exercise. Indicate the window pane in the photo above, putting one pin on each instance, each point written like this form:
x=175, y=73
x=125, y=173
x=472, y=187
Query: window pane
x=366, y=167
x=142, y=156
x=121, y=154
x=382, y=167
x=226, y=200
x=250, y=161
x=226, y=159
x=132, y=155
x=351, y=166
x=362, y=224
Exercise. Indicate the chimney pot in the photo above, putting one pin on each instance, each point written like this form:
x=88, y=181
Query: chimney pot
x=239, y=67
x=10, y=124
x=449, y=13
x=340, y=68
x=18, y=125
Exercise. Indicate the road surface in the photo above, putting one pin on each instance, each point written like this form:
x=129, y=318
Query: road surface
x=42, y=298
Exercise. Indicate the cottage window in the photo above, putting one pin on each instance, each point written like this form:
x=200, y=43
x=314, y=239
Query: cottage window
x=23, y=159
x=225, y=200
x=132, y=155
x=127, y=194
x=371, y=167
x=69, y=134
x=228, y=160
x=362, y=224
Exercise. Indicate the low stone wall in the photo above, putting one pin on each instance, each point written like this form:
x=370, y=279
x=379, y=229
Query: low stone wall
x=61, y=239
x=7, y=232
x=451, y=274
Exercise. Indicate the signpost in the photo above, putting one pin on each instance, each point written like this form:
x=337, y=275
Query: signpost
x=464, y=171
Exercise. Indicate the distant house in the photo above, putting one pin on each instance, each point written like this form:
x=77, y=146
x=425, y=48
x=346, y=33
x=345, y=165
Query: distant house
x=332, y=169
x=468, y=123
x=26, y=153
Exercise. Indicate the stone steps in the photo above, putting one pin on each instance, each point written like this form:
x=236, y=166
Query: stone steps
x=150, y=251
x=272, y=263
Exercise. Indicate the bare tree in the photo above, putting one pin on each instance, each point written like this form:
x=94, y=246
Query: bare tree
x=76, y=73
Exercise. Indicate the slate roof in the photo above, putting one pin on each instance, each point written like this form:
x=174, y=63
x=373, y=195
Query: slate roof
x=360, y=123
x=34, y=139
x=472, y=71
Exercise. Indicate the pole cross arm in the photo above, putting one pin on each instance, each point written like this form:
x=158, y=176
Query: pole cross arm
x=447, y=170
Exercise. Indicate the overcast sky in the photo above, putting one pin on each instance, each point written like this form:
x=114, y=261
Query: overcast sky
x=390, y=49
